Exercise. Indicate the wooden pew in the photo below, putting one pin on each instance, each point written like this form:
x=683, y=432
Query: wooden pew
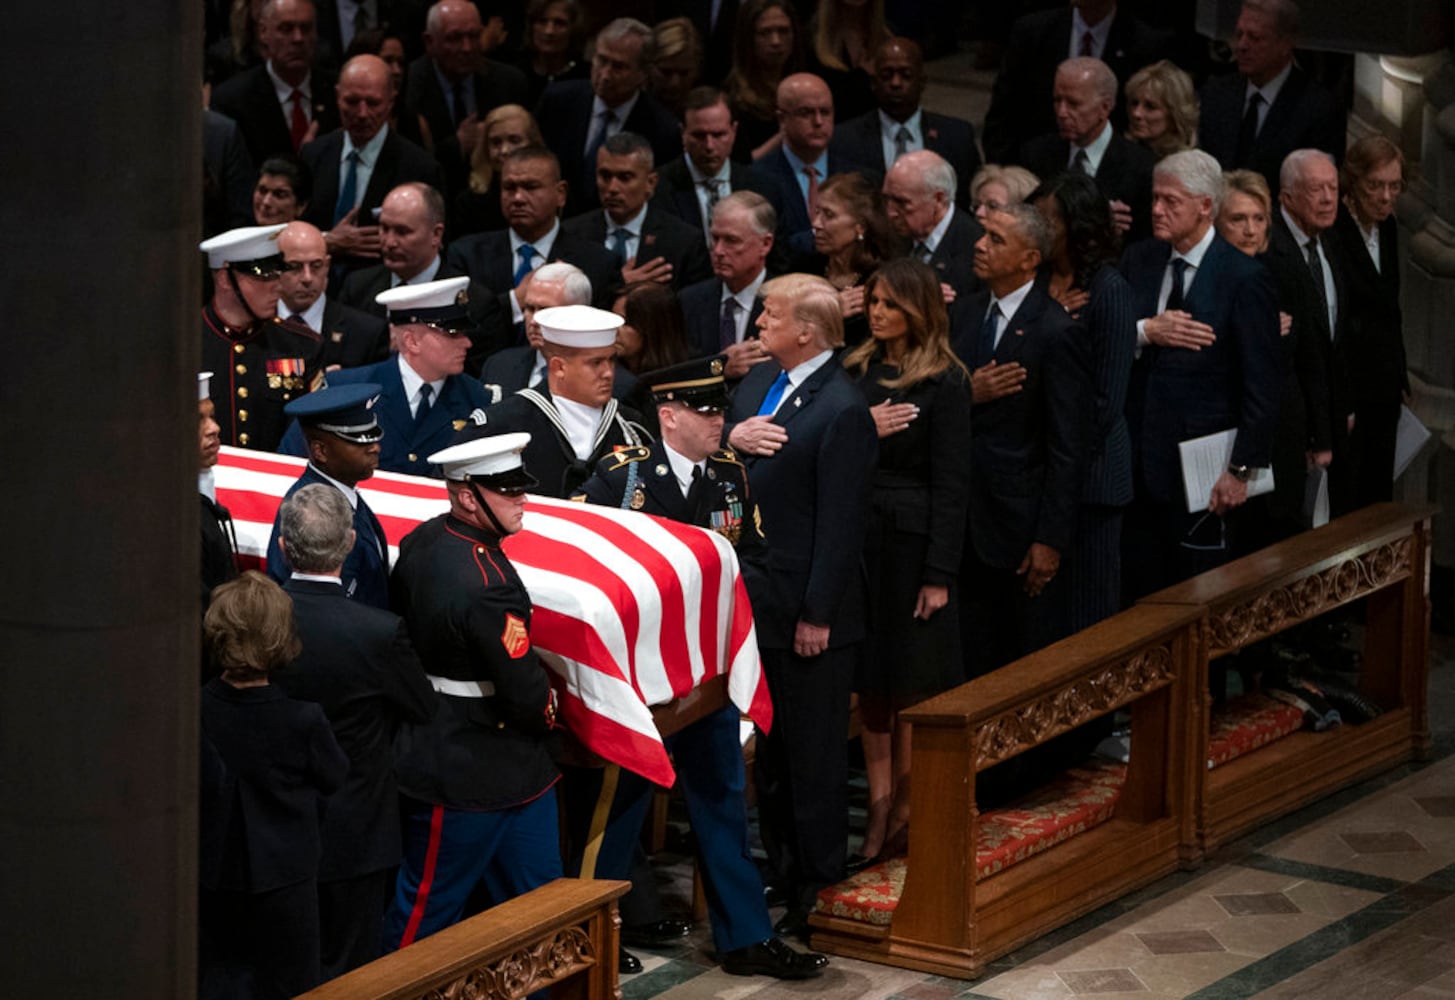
x=946, y=920
x=565, y=932
x=1378, y=555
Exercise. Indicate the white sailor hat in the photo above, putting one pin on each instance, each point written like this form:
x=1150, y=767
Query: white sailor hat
x=204, y=381
x=251, y=247
x=579, y=326
x=493, y=461
x=440, y=304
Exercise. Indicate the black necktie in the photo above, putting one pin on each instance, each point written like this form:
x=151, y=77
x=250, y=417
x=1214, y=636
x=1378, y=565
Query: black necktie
x=1248, y=132
x=694, y=492
x=1081, y=163
x=986, y=352
x=1316, y=272
x=1174, y=297
x=457, y=97
x=425, y=392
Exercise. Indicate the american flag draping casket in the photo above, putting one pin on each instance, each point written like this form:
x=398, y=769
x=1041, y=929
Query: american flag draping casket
x=631, y=611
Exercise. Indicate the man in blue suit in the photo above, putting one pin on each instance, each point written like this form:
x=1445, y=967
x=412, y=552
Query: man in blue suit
x=1209, y=362
x=342, y=436
x=809, y=446
x=424, y=399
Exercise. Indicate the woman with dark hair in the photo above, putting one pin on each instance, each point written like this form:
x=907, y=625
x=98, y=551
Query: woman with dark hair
x=653, y=336
x=275, y=759
x=551, y=49
x=477, y=208
x=919, y=393
x=767, y=46
x=1082, y=276
x=852, y=235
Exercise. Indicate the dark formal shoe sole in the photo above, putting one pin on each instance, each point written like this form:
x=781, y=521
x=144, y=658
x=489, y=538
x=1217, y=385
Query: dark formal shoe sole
x=776, y=959
x=657, y=934
x=627, y=963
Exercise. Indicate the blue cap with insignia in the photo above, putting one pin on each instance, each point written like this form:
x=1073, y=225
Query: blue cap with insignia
x=345, y=411
x=494, y=461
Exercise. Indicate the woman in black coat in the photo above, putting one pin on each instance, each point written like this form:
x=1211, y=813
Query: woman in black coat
x=268, y=763
x=919, y=394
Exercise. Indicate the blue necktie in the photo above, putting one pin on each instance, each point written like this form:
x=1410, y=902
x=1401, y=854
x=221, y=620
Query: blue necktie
x=986, y=351
x=527, y=254
x=616, y=245
x=775, y=394
x=348, y=194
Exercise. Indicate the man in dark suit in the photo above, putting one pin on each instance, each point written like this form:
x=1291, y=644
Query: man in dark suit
x=919, y=198
x=285, y=102
x=350, y=337
x=900, y=125
x=722, y=312
x=577, y=116
x=1020, y=101
x=579, y=343
x=809, y=445
x=342, y=438
x=358, y=664
x=424, y=399
x=355, y=166
x=532, y=195
x=1208, y=331
x=411, y=232
x=1255, y=117
x=804, y=160
x=1027, y=450
x=691, y=185
x=453, y=87
x=1085, y=141
x=647, y=243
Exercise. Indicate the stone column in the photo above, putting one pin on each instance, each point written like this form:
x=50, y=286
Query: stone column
x=99, y=589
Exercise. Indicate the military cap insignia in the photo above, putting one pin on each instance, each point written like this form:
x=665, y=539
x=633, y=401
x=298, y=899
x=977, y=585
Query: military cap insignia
x=716, y=366
x=459, y=425
x=639, y=499
x=463, y=298
x=515, y=638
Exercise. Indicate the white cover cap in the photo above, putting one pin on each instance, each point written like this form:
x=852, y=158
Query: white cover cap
x=237, y=245
x=579, y=326
x=484, y=456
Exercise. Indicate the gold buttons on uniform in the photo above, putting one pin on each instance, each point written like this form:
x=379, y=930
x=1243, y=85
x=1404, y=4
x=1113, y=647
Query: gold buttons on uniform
x=242, y=439
x=242, y=391
x=237, y=348
x=242, y=369
x=413, y=457
x=480, y=550
x=242, y=414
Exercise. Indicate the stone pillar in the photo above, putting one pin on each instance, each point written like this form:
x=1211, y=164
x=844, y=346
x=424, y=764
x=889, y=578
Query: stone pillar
x=99, y=589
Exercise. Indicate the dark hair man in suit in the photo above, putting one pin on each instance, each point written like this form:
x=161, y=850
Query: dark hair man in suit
x=351, y=337
x=359, y=665
x=809, y=445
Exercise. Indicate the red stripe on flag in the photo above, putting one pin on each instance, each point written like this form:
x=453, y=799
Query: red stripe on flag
x=575, y=640
x=618, y=744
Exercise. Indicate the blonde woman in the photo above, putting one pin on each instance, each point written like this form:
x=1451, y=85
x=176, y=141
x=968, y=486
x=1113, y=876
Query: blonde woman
x=1161, y=108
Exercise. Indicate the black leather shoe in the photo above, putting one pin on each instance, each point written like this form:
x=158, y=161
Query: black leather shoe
x=776, y=895
x=656, y=934
x=794, y=923
x=855, y=863
x=627, y=963
x=774, y=958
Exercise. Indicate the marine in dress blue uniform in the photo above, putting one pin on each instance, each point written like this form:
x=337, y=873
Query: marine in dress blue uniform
x=343, y=435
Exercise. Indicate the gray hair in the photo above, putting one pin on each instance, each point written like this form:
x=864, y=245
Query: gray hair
x=1283, y=13
x=1198, y=173
x=759, y=210
x=933, y=171
x=1290, y=174
x=1103, y=81
x=573, y=281
x=1032, y=226
x=626, y=27
x=314, y=524
x=630, y=144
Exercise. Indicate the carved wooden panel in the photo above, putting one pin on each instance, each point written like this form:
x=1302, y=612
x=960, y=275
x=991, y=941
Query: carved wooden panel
x=531, y=968
x=1111, y=687
x=1233, y=628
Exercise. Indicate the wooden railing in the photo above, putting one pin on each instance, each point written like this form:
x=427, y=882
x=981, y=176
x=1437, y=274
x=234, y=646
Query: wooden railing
x=1151, y=660
x=564, y=935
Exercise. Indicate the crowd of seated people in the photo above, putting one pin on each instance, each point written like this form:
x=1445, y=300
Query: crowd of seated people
x=958, y=382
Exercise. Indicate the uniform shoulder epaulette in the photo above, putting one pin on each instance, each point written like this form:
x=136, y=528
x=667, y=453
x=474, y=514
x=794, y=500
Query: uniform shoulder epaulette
x=726, y=455
x=626, y=456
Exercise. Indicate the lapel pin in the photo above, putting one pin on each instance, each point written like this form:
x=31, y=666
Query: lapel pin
x=661, y=470
x=1020, y=333
x=797, y=400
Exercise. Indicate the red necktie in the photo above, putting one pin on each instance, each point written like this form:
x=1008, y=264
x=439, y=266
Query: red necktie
x=298, y=126
x=812, y=190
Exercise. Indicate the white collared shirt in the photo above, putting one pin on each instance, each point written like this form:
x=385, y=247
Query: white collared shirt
x=889, y=128
x=1193, y=257
x=284, y=90
x=412, y=384
x=724, y=179
x=207, y=484
x=313, y=315
x=421, y=278
x=1094, y=152
x=745, y=299
x=1099, y=35
x=1371, y=243
x=633, y=227
x=350, y=494
x=682, y=467
x=932, y=241
x=1009, y=306
x=1331, y=293
x=799, y=374
x=542, y=248
x=581, y=422
x=346, y=12
x=316, y=577
x=368, y=156
x=1269, y=91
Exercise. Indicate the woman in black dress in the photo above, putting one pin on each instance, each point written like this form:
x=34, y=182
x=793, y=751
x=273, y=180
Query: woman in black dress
x=268, y=762
x=1084, y=279
x=552, y=46
x=919, y=393
x=851, y=236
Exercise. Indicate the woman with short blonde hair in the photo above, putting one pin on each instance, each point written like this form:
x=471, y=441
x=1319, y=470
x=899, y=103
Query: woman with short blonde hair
x=1162, y=110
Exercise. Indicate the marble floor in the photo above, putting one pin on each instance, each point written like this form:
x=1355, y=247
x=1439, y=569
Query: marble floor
x=1353, y=896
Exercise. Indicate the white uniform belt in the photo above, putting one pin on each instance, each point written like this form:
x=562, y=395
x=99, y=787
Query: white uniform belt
x=461, y=689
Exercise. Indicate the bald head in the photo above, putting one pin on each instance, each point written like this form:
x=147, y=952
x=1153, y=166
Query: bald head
x=306, y=255
x=452, y=38
x=806, y=115
x=411, y=229
x=899, y=77
x=364, y=97
x=1082, y=98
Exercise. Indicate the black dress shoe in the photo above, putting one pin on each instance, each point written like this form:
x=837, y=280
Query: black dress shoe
x=627, y=963
x=774, y=958
x=794, y=923
x=656, y=934
x=774, y=895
